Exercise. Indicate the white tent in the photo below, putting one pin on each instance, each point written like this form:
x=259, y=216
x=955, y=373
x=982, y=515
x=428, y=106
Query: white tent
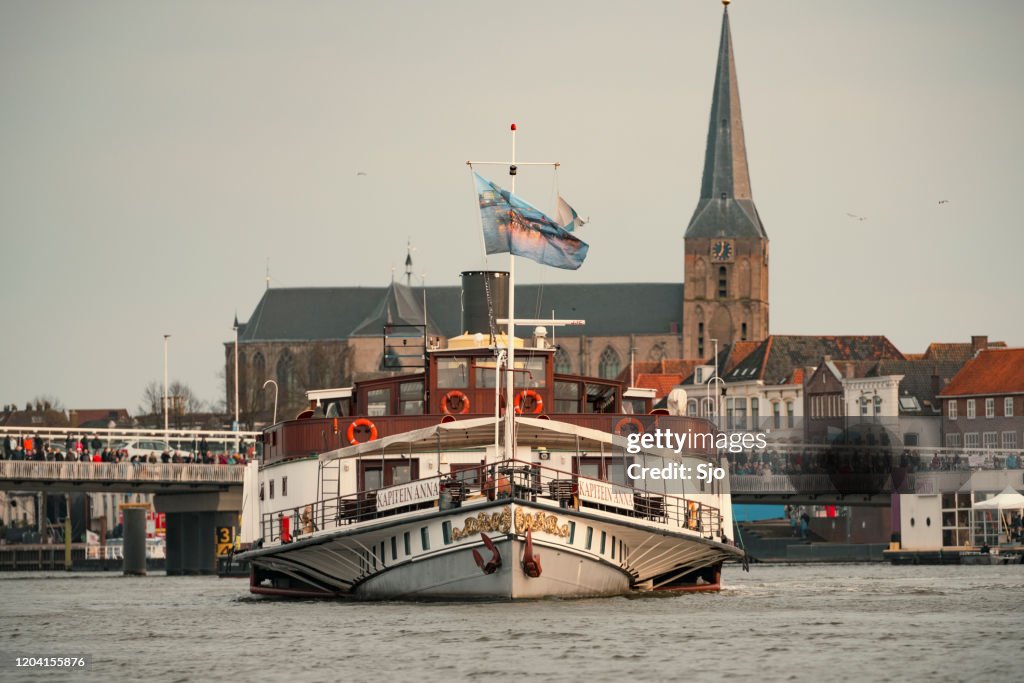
x=1008, y=499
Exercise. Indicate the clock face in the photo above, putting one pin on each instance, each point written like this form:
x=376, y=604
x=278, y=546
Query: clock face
x=721, y=250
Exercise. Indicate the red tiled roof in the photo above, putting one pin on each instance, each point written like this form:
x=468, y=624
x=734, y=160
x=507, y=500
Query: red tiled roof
x=661, y=383
x=738, y=352
x=798, y=376
x=958, y=351
x=991, y=372
x=669, y=366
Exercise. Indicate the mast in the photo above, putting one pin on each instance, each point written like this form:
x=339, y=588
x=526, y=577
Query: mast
x=511, y=344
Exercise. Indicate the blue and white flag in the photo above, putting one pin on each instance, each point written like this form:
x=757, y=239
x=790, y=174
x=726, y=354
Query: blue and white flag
x=513, y=225
x=567, y=216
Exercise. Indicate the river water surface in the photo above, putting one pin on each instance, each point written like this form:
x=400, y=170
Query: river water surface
x=777, y=623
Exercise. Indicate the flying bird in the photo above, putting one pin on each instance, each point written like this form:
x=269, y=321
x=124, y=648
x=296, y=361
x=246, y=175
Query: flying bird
x=361, y=173
x=943, y=201
x=856, y=217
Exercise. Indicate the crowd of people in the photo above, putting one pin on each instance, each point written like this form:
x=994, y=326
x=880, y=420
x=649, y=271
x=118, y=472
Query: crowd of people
x=90, y=448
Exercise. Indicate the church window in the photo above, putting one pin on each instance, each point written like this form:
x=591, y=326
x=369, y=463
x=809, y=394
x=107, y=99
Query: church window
x=700, y=339
x=743, y=333
x=609, y=364
x=563, y=364
x=259, y=375
x=723, y=282
x=287, y=377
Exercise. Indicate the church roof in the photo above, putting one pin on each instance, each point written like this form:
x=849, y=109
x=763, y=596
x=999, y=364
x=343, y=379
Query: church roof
x=400, y=305
x=337, y=313
x=726, y=207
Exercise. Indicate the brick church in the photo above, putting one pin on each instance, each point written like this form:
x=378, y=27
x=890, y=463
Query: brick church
x=313, y=338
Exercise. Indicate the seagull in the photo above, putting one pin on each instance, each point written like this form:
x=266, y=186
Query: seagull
x=361, y=173
x=943, y=201
x=856, y=217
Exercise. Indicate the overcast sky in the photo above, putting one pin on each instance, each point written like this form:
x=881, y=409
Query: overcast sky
x=153, y=156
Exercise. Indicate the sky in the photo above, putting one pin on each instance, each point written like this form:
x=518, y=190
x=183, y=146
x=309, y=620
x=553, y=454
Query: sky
x=156, y=157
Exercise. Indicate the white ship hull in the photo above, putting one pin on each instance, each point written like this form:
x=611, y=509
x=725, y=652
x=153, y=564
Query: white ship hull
x=430, y=555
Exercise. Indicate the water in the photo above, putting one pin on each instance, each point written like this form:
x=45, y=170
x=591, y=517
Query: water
x=778, y=623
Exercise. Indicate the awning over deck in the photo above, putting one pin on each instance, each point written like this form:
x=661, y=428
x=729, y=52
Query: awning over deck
x=476, y=432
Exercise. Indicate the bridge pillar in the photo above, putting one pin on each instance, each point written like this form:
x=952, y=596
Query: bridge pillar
x=192, y=528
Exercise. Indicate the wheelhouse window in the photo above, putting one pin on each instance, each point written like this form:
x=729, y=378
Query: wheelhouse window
x=535, y=376
x=610, y=468
x=410, y=398
x=567, y=397
x=378, y=402
x=453, y=373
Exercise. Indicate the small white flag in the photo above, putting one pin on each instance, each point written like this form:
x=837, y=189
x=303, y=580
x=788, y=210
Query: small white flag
x=567, y=216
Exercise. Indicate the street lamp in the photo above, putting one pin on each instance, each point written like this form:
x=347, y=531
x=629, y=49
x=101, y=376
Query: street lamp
x=270, y=381
x=166, y=422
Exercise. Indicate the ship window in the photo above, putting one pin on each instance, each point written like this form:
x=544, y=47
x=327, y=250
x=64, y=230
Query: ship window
x=567, y=397
x=425, y=538
x=613, y=547
x=453, y=373
x=604, y=536
x=394, y=548
x=446, y=530
x=407, y=540
x=590, y=537
x=401, y=474
x=410, y=398
x=271, y=489
x=378, y=402
x=382, y=553
x=536, y=373
x=572, y=532
x=621, y=556
x=284, y=486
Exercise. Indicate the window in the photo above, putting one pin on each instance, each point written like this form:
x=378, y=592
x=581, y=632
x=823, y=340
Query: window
x=535, y=376
x=971, y=440
x=378, y=402
x=951, y=409
x=776, y=414
x=453, y=373
x=271, y=489
x=572, y=532
x=446, y=531
x=755, y=412
x=408, y=543
x=563, y=364
x=863, y=407
x=613, y=547
x=603, y=538
x=608, y=365
x=970, y=409
x=743, y=332
x=990, y=439
x=394, y=548
x=878, y=407
x=410, y=398
x=953, y=440
x=910, y=439
x=1008, y=406
x=790, y=416
x=990, y=407
x=700, y=339
x=284, y=486
x=567, y=397
x=723, y=282
x=1009, y=439
x=590, y=537
x=425, y=538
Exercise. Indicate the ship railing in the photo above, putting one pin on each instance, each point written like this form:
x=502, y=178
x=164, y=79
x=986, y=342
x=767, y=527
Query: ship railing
x=511, y=479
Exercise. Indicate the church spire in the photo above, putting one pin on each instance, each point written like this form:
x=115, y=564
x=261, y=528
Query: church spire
x=726, y=207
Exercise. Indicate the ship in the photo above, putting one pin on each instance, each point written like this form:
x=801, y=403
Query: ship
x=483, y=473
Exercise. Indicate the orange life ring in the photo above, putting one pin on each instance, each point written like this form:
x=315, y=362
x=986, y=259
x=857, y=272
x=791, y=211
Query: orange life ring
x=455, y=393
x=629, y=421
x=522, y=399
x=361, y=422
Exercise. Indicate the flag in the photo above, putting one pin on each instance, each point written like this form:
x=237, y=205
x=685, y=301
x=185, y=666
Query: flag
x=513, y=225
x=567, y=216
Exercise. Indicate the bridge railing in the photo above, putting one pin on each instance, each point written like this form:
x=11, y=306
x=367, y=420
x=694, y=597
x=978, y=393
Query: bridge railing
x=172, y=473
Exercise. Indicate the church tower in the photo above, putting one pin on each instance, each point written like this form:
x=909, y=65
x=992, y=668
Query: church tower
x=726, y=265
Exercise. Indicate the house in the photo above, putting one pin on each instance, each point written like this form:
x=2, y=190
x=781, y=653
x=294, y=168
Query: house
x=983, y=405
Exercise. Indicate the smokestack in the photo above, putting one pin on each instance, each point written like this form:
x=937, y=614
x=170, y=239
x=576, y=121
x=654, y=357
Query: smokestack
x=484, y=298
x=979, y=343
